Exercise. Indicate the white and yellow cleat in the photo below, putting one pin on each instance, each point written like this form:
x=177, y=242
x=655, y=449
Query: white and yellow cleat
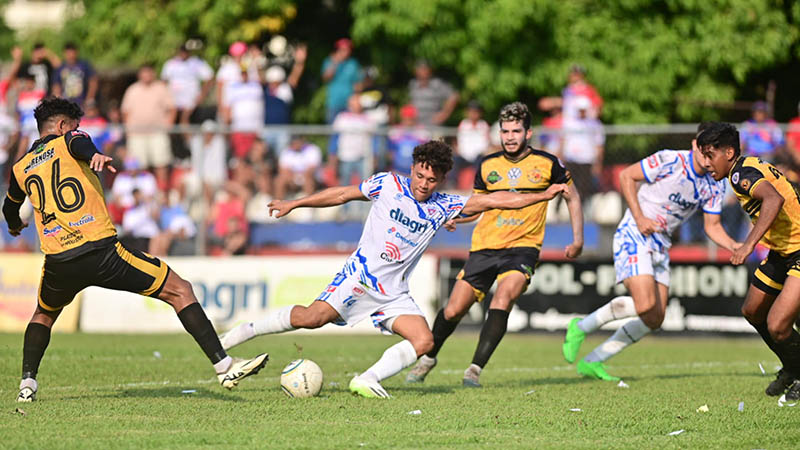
x=242, y=368
x=368, y=388
x=27, y=390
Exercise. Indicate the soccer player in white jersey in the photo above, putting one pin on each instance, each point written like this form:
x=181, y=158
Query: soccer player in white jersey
x=675, y=185
x=405, y=214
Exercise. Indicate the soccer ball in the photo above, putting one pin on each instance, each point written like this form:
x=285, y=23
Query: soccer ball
x=301, y=378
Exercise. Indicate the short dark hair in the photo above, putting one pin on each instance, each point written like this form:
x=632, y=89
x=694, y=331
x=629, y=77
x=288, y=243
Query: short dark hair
x=719, y=135
x=436, y=154
x=51, y=107
x=514, y=112
x=70, y=46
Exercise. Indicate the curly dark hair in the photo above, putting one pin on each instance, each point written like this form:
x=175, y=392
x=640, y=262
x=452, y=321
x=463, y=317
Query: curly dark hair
x=719, y=135
x=436, y=154
x=516, y=111
x=51, y=107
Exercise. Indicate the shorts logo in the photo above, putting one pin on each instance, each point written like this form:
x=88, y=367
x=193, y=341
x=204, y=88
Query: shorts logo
x=745, y=184
x=392, y=253
x=493, y=177
x=652, y=161
x=735, y=178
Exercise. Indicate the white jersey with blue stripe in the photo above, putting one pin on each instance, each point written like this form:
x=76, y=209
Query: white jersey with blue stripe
x=397, y=231
x=672, y=193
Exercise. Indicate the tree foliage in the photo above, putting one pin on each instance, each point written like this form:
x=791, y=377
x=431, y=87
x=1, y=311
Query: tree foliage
x=653, y=61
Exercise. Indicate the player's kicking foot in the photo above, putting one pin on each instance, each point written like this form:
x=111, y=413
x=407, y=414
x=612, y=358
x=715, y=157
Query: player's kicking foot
x=242, y=368
x=418, y=373
x=237, y=335
x=793, y=394
x=27, y=390
x=471, y=376
x=783, y=380
x=595, y=370
x=573, y=340
x=367, y=388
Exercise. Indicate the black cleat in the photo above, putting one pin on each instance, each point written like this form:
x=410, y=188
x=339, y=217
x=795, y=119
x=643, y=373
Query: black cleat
x=783, y=380
x=793, y=394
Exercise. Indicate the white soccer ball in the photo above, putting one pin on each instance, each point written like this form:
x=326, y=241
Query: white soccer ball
x=301, y=378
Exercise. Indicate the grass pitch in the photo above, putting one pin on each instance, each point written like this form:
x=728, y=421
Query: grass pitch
x=100, y=391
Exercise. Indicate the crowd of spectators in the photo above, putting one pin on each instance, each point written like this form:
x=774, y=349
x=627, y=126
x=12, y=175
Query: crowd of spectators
x=201, y=152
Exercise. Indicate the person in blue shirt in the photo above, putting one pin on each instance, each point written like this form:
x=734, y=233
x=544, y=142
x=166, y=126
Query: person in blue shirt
x=341, y=72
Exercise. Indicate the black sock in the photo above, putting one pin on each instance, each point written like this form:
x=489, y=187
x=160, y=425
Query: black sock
x=791, y=353
x=492, y=332
x=37, y=337
x=194, y=320
x=442, y=329
x=774, y=346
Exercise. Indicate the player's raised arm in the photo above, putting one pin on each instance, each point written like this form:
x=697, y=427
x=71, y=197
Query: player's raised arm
x=332, y=196
x=627, y=182
x=771, y=204
x=511, y=200
x=575, y=209
x=14, y=199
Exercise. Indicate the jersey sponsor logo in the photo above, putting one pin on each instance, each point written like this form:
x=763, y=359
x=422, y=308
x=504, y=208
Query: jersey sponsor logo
x=514, y=175
x=402, y=238
x=358, y=291
x=735, y=178
x=508, y=221
x=40, y=159
x=676, y=198
x=51, y=231
x=745, y=184
x=493, y=177
x=39, y=149
x=652, y=161
x=392, y=253
x=413, y=226
x=87, y=218
x=535, y=176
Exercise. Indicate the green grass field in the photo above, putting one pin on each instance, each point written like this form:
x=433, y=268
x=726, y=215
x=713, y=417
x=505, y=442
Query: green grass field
x=99, y=391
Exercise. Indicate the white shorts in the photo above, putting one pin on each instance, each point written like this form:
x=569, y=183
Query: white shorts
x=353, y=302
x=151, y=149
x=632, y=258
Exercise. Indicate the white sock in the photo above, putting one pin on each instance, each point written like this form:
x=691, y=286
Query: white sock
x=394, y=359
x=29, y=383
x=626, y=335
x=277, y=322
x=223, y=365
x=617, y=308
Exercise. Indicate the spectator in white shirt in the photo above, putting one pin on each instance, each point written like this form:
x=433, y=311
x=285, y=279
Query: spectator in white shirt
x=473, y=134
x=583, y=147
x=243, y=109
x=297, y=167
x=354, y=144
x=189, y=79
x=208, y=158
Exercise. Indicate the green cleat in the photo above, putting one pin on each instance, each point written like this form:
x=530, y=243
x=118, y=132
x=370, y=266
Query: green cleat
x=573, y=340
x=595, y=370
x=368, y=388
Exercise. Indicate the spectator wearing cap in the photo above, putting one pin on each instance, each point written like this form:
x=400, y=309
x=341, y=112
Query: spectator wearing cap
x=297, y=167
x=342, y=73
x=147, y=111
x=75, y=79
x=433, y=98
x=231, y=70
x=583, y=147
x=243, y=110
x=278, y=98
x=760, y=135
x=403, y=138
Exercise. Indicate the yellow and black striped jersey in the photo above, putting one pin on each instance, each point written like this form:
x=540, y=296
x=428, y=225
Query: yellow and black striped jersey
x=69, y=207
x=747, y=173
x=498, y=229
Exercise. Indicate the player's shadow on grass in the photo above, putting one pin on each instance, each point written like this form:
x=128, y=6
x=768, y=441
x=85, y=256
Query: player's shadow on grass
x=523, y=382
x=424, y=389
x=173, y=392
x=671, y=376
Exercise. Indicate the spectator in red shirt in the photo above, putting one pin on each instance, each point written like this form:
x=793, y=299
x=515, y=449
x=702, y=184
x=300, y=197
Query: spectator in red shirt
x=793, y=140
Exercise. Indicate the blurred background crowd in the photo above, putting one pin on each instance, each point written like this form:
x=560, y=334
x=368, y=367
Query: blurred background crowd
x=204, y=137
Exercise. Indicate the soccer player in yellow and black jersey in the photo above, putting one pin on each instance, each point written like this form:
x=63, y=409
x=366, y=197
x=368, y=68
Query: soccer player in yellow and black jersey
x=80, y=243
x=773, y=300
x=505, y=243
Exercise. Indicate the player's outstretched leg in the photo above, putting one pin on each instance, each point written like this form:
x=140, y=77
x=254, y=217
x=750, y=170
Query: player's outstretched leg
x=418, y=341
x=617, y=308
x=461, y=299
x=178, y=293
x=277, y=322
x=36, y=340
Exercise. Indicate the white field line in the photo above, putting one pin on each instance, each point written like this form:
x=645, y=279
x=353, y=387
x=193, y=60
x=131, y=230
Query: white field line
x=561, y=368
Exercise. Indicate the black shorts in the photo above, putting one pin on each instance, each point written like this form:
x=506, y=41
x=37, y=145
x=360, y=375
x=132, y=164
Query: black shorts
x=113, y=267
x=773, y=270
x=485, y=266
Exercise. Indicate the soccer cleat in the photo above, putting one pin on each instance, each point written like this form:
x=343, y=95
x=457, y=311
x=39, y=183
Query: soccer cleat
x=242, y=368
x=573, y=340
x=421, y=370
x=595, y=370
x=793, y=394
x=368, y=388
x=27, y=390
x=783, y=380
x=237, y=335
x=471, y=376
